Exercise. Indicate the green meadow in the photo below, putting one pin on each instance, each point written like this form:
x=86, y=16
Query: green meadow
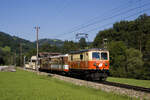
x=23, y=85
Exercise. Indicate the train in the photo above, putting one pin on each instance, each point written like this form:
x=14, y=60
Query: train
x=90, y=64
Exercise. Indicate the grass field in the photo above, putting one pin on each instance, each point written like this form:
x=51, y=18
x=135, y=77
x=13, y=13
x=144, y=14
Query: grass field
x=143, y=83
x=22, y=85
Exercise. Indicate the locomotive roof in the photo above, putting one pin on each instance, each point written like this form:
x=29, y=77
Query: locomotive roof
x=86, y=50
x=66, y=55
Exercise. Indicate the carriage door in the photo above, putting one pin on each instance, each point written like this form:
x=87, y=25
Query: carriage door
x=86, y=55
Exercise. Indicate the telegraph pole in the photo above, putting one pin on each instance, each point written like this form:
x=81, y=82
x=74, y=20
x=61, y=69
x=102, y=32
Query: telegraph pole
x=15, y=59
x=37, y=46
x=24, y=62
x=105, y=43
x=20, y=54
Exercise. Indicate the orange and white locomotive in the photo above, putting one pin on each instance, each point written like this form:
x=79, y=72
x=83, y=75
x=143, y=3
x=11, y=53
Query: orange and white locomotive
x=91, y=64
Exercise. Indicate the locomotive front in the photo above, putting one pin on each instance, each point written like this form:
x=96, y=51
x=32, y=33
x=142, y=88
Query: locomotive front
x=91, y=63
x=99, y=60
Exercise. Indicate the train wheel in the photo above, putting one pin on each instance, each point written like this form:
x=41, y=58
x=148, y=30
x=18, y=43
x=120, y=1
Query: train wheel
x=103, y=78
x=88, y=77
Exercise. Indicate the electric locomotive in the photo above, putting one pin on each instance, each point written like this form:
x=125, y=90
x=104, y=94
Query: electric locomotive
x=92, y=64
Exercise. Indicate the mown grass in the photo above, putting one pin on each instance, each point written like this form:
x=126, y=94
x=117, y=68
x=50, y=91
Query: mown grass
x=22, y=85
x=136, y=82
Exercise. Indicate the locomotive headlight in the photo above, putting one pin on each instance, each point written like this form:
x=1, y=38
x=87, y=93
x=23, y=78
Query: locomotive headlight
x=100, y=65
x=106, y=64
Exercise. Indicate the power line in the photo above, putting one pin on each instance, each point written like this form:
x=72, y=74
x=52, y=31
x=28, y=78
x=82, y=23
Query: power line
x=102, y=20
x=111, y=17
x=65, y=4
x=110, y=11
x=113, y=22
x=115, y=9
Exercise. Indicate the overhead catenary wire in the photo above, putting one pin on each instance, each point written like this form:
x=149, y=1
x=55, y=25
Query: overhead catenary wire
x=98, y=28
x=65, y=4
x=116, y=9
x=130, y=10
x=91, y=20
x=113, y=22
x=105, y=19
x=97, y=17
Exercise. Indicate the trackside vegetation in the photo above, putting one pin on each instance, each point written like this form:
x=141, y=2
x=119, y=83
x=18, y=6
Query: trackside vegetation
x=129, y=46
x=23, y=85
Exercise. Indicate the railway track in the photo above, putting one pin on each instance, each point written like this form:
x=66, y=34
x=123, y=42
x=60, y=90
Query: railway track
x=118, y=88
x=136, y=88
x=126, y=86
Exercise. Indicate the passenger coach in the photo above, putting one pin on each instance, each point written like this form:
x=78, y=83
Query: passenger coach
x=57, y=63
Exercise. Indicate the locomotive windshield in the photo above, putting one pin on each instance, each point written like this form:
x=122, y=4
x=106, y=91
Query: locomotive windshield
x=99, y=56
x=96, y=56
x=104, y=56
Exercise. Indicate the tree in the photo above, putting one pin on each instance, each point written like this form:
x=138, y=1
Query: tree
x=1, y=57
x=134, y=36
x=6, y=49
x=82, y=43
x=148, y=48
x=117, y=55
x=69, y=46
x=134, y=63
x=46, y=47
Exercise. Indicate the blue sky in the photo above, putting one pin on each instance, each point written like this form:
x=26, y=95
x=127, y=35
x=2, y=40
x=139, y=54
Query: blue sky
x=62, y=19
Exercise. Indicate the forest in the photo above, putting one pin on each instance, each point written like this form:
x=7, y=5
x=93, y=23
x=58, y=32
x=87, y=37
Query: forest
x=129, y=45
x=127, y=41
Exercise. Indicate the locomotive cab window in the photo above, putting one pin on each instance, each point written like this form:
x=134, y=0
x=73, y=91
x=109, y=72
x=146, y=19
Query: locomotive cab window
x=81, y=57
x=104, y=56
x=95, y=55
x=71, y=57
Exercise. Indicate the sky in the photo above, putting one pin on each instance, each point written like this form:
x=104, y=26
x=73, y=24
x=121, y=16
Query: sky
x=62, y=19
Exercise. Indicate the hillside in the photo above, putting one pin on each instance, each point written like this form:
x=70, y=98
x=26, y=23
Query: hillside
x=12, y=47
x=52, y=42
x=14, y=42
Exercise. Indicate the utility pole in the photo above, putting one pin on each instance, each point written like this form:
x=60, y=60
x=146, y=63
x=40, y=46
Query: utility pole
x=15, y=59
x=37, y=46
x=105, y=43
x=20, y=54
x=24, y=62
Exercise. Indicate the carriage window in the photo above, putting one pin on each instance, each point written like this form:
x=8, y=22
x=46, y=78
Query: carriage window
x=33, y=60
x=81, y=57
x=96, y=56
x=71, y=58
x=104, y=56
